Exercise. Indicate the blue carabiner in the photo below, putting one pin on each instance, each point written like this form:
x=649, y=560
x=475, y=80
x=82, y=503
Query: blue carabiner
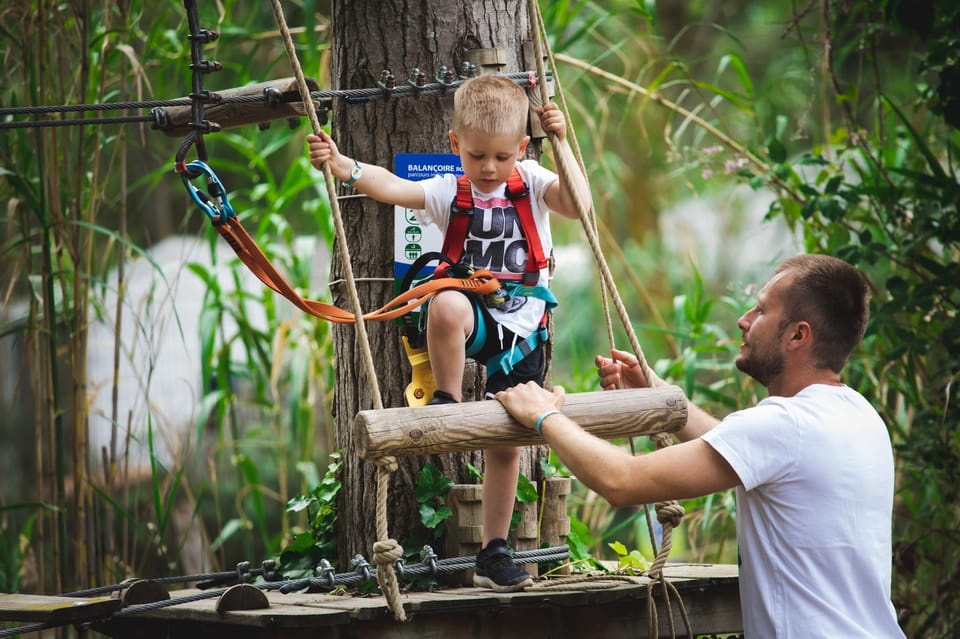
x=215, y=204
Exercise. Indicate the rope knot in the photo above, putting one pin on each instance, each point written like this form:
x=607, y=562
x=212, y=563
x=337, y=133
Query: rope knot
x=388, y=464
x=662, y=440
x=386, y=553
x=669, y=512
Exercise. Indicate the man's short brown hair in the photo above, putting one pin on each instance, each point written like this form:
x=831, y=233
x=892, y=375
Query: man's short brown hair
x=834, y=297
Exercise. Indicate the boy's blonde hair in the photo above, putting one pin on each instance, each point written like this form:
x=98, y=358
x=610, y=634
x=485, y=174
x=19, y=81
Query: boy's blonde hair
x=490, y=105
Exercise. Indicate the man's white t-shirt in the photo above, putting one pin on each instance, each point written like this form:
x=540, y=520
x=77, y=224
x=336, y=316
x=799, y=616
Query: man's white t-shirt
x=494, y=240
x=813, y=515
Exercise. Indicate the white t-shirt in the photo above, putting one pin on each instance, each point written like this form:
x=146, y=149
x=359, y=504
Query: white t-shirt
x=494, y=240
x=813, y=515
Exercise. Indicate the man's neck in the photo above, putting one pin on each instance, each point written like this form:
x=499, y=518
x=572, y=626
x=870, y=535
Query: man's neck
x=792, y=382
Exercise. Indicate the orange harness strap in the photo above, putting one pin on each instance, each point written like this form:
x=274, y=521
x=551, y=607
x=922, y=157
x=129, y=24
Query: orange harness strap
x=480, y=282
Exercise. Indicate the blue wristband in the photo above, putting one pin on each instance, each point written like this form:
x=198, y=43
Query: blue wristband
x=543, y=417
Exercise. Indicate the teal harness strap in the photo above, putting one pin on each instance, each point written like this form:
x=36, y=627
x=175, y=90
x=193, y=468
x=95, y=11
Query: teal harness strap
x=505, y=361
x=525, y=290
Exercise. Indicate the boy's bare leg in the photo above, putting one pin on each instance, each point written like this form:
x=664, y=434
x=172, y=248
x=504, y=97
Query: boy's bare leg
x=501, y=466
x=449, y=322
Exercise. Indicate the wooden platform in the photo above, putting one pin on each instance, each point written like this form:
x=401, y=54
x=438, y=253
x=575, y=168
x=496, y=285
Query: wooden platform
x=55, y=610
x=710, y=595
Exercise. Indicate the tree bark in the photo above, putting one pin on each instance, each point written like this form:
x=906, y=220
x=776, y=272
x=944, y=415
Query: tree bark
x=368, y=37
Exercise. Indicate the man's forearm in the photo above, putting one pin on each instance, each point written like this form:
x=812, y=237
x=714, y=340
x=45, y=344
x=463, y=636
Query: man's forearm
x=597, y=463
x=699, y=422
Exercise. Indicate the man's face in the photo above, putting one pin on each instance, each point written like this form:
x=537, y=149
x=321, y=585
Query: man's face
x=762, y=352
x=488, y=160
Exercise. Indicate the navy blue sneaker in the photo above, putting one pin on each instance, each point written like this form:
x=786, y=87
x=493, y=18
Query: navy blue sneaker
x=496, y=570
x=441, y=397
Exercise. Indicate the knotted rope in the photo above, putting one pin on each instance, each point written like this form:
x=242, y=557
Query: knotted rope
x=385, y=550
x=668, y=513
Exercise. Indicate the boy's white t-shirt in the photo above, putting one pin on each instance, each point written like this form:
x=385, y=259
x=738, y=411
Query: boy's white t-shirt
x=813, y=515
x=494, y=240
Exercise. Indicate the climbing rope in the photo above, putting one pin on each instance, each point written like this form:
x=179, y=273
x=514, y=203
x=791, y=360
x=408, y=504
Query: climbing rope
x=386, y=550
x=669, y=513
x=541, y=30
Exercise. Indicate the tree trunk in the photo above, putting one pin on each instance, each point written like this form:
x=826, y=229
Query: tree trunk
x=368, y=37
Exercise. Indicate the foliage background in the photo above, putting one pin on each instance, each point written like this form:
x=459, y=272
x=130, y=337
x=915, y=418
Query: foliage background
x=837, y=121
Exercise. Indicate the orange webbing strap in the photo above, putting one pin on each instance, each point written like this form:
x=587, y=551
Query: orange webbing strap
x=480, y=282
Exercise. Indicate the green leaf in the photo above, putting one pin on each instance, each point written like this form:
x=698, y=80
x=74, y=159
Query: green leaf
x=309, y=471
x=432, y=517
x=231, y=528
x=526, y=491
x=932, y=161
x=740, y=69
x=431, y=484
x=299, y=503
x=777, y=150
x=742, y=102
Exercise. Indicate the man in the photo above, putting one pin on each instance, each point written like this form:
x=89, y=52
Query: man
x=812, y=463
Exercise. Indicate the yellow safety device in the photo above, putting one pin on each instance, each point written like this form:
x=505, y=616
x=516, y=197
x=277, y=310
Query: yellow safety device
x=420, y=389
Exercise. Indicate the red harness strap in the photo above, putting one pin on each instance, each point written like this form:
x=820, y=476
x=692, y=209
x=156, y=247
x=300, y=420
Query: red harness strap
x=461, y=213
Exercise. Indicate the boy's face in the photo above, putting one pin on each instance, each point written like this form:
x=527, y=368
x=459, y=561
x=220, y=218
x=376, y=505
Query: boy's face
x=488, y=160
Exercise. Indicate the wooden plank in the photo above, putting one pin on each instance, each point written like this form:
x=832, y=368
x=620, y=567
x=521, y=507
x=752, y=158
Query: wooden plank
x=709, y=593
x=285, y=611
x=468, y=426
x=55, y=610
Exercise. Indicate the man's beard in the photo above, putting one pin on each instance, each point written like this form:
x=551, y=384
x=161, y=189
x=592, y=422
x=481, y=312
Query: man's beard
x=762, y=368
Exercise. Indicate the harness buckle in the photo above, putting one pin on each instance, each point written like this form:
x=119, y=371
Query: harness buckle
x=460, y=271
x=498, y=299
x=456, y=209
x=516, y=195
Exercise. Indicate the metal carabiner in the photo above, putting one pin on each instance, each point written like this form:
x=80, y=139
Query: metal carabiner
x=215, y=204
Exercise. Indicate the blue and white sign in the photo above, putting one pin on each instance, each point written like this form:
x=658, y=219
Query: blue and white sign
x=410, y=239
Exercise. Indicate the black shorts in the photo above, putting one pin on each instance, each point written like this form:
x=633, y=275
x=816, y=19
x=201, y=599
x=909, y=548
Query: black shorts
x=530, y=368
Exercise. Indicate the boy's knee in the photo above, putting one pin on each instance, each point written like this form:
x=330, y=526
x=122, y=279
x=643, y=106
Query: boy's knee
x=449, y=309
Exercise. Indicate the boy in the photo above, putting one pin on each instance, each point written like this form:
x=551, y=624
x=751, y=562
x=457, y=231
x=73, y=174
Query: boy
x=489, y=135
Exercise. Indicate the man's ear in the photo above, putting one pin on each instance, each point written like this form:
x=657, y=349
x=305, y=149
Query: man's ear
x=522, y=149
x=454, y=143
x=801, y=334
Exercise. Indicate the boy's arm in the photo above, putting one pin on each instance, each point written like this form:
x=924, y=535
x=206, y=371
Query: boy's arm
x=374, y=181
x=559, y=195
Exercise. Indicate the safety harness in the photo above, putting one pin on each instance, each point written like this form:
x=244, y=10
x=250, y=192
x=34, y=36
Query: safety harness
x=525, y=285
x=461, y=213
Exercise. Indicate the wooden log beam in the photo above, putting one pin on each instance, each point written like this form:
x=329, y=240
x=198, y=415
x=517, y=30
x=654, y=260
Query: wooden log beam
x=233, y=114
x=447, y=428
